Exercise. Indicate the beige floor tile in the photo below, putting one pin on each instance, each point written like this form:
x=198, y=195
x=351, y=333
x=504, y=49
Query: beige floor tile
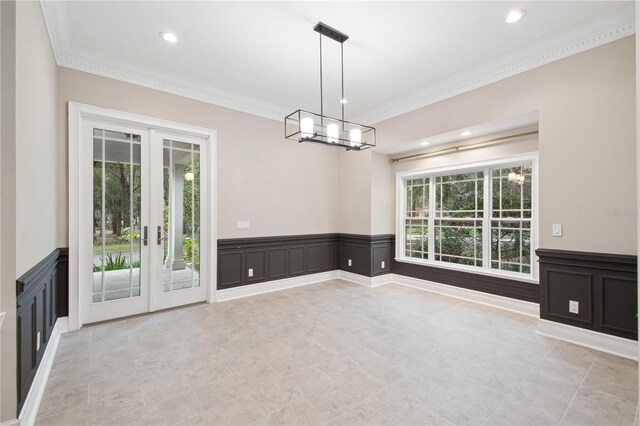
x=337, y=353
x=240, y=411
x=593, y=407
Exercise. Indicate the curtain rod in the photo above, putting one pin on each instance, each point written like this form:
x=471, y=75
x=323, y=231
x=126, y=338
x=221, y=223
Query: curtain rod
x=495, y=141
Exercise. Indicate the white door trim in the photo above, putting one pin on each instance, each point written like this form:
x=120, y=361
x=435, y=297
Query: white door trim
x=78, y=114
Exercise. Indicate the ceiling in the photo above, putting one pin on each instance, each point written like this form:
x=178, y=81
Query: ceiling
x=263, y=58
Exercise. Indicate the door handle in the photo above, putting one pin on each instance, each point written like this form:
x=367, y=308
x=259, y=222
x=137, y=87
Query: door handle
x=160, y=238
x=145, y=235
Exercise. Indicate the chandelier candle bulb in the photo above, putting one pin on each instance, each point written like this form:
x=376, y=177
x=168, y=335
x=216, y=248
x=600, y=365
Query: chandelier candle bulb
x=333, y=132
x=355, y=136
x=188, y=176
x=306, y=127
x=512, y=177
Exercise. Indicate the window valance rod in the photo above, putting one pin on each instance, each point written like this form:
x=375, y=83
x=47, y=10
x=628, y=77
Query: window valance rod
x=458, y=148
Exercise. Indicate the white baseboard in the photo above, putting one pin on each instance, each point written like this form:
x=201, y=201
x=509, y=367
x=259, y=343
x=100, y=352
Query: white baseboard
x=29, y=411
x=514, y=305
x=592, y=339
x=269, y=286
x=363, y=280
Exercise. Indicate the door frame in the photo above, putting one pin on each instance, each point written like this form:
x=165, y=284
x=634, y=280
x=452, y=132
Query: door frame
x=78, y=114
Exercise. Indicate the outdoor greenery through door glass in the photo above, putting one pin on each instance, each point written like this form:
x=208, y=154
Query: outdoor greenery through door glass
x=181, y=228
x=116, y=215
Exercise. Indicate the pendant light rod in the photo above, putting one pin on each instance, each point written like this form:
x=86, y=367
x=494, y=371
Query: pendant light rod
x=321, y=98
x=342, y=99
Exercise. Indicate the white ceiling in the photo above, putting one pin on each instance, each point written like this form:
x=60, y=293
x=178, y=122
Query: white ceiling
x=262, y=57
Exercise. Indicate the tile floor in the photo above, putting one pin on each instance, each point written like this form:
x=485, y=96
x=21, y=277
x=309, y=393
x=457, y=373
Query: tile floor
x=333, y=353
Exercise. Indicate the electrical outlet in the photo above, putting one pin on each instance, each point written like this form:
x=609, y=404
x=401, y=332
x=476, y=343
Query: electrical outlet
x=250, y=272
x=382, y=264
x=573, y=307
x=38, y=342
x=243, y=224
x=349, y=262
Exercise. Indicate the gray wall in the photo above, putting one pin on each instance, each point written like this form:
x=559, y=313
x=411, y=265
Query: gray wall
x=29, y=170
x=280, y=186
x=586, y=106
x=7, y=210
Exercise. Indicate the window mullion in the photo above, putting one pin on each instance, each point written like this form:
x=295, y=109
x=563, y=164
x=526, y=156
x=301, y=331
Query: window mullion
x=432, y=209
x=486, y=220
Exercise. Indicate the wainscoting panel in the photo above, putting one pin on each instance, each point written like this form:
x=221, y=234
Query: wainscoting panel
x=278, y=263
x=297, y=261
x=42, y=297
x=485, y=283
x=257, y=260
x=604, y=285
x=274, y=258
x=577, y=286
x=366, y=252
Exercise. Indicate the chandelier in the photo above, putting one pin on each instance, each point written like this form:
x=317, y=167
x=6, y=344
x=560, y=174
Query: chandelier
x=306, y=126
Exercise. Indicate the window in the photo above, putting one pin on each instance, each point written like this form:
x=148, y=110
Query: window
x=479, y=217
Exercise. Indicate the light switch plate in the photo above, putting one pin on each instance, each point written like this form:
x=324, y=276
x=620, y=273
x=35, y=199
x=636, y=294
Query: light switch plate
x=349, y=262
x=556, y=230
x=250, y=272
x=382, y=265
x=242, y=224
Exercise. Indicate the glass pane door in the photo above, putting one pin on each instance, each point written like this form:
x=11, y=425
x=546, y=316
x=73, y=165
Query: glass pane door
x=181, y=211
x=179, y=249
x=117, y=183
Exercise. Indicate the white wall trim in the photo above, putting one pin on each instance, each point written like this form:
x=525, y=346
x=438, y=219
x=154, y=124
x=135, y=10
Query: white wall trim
x=506, y=303
x=270, y=286
x=31, y=405
x=592, y=339
x=573, y=41
x=363, y=280
x=12, y=422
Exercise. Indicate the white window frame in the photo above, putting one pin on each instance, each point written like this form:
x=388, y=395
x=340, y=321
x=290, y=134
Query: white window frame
x=532, y=157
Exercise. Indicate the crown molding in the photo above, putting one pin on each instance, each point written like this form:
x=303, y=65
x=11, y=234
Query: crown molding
x=574, y=41
x=175, y=88
x=489, y=73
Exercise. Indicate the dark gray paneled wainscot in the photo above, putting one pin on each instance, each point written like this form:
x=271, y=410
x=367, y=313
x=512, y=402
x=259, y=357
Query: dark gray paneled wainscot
x=485, y=283
x=276, y=258
x=42, y=297
x=371, y=255
x=604, y=285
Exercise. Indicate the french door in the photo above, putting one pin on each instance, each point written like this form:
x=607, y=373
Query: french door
x=144, y=193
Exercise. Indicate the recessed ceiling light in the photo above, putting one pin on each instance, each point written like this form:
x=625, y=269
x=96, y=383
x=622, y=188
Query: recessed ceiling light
x=515, y=16
x=424, y=143
x=344, y=100
x=465, y=133
x=169, y=37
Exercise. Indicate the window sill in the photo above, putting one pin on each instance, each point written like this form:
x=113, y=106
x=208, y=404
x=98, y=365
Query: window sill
x=469, y=269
